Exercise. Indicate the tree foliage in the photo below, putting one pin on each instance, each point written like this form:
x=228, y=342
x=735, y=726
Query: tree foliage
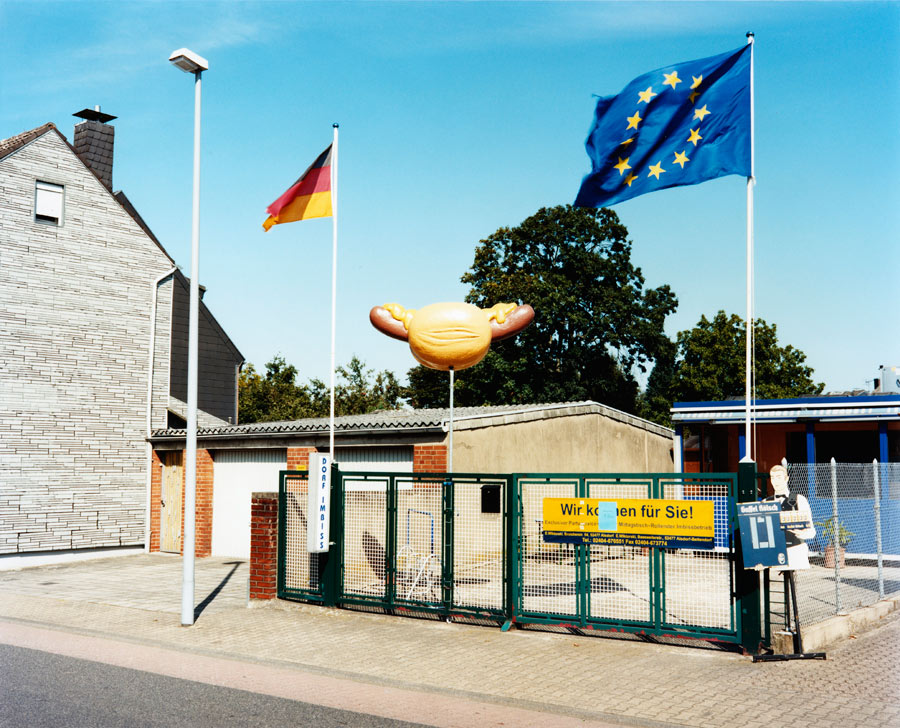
x=277, y=396
x=594, y=321
x=274, y=396
x=708, y=364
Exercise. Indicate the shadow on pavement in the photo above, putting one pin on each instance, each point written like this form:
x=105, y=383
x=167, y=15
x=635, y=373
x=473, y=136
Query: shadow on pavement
x=198, y=610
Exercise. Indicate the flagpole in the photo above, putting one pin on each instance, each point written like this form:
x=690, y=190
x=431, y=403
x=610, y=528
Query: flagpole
x=751, y=181
x=334, y=232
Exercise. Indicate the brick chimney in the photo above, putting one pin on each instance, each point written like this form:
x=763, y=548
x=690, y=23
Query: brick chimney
x=94, y=143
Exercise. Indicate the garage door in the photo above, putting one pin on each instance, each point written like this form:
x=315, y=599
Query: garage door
x=236, y=475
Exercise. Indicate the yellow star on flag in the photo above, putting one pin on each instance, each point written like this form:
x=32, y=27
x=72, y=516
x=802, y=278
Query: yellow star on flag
x=622, y=165
x=697, y=81
x=681, y=158
x=695, y=136
x=627, y=142
x=671, y=79
x=693, y=96
x=633, y=121
x=646, y=95
x=701, y=112
x=630, y=178
x=656, y=170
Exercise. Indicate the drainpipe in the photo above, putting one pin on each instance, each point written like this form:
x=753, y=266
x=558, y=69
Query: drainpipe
x=151, y=357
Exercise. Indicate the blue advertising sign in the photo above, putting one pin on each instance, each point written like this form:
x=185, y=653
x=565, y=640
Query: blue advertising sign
x=762, y=539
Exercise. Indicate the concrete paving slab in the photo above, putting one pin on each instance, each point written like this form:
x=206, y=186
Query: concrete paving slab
x=137, y=600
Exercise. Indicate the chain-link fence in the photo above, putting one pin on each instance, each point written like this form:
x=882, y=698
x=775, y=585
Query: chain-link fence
x=855, y=555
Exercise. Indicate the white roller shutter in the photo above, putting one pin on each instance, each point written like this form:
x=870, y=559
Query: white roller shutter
x=237, y=474
x=375, y=459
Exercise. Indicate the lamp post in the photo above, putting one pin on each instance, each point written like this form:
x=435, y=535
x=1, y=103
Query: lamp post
x=190, y=62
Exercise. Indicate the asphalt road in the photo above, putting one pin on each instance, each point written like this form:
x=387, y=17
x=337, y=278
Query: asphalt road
x=39, y=689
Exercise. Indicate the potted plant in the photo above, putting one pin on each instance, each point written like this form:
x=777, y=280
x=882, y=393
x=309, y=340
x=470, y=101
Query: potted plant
x=837, y=536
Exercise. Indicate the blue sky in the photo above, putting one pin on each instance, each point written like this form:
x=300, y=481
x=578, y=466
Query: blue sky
x=459, y=118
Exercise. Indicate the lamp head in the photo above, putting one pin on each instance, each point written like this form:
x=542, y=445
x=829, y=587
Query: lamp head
x=188, y=61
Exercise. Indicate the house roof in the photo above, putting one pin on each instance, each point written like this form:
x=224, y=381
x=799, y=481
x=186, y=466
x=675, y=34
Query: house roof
x=857, y=407
x=14, y=143
x=418, y=420
x=8, y=146
x=210, y=318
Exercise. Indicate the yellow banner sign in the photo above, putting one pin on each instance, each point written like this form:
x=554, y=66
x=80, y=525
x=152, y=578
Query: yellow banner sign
x=630, y=521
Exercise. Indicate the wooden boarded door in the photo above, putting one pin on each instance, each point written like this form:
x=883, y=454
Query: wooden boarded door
x=171, y=503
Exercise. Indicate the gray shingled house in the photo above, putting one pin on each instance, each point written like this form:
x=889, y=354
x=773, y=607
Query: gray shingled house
x=93, y=348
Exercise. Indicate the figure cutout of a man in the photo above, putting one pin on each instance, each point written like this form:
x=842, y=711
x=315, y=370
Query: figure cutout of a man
x=797, y=516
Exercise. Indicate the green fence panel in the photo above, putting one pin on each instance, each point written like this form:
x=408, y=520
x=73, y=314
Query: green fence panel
x=472, y=545
x=299, y=572
x=682, y=592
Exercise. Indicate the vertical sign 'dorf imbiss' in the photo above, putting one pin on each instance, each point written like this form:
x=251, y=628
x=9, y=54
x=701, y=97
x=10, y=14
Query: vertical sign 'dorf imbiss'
x=319, y=500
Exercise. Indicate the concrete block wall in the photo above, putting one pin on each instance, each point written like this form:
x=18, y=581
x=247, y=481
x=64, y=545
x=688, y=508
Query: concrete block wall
x=74, y=336
x=161, y=366
x=263, y=545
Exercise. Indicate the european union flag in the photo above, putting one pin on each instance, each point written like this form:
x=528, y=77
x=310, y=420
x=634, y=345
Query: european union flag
x=680, y=125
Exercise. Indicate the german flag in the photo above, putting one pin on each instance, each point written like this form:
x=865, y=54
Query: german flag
x=308, y=197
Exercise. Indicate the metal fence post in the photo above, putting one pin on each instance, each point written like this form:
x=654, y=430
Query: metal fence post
x=281, y=549
x=747, y=580
x=835, y=538
x=447, y=545
x=511, y=514
x=878, y=551
x=331, y=571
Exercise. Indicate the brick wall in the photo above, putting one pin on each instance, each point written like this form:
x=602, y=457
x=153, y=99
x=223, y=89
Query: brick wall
x=298, y=457
x=429, y=458
x=155, y=498
x=263, y=545
x=203, y=504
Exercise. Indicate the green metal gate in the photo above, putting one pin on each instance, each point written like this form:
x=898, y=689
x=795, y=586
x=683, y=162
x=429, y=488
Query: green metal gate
x=471, y=545
x=401, y=541
x=655, y=591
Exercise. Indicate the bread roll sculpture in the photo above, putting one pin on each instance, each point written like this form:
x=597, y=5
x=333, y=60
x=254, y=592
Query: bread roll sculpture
x=451, y=335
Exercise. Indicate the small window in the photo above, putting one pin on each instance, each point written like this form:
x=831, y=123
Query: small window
x=48, y=202
x=174, y=422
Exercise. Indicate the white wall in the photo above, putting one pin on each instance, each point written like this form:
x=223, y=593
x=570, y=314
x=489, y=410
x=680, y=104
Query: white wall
x=236, y=475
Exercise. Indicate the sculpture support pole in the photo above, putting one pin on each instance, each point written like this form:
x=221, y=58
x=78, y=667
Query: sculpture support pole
x=450, y=451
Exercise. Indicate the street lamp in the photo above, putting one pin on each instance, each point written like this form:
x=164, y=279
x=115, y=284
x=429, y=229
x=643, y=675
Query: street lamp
x=190, y=62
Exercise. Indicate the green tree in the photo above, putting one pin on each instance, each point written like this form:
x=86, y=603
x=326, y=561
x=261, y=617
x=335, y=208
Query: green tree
x=710, y=362
x=361, y=390
x=594, y=321
x=277, y=396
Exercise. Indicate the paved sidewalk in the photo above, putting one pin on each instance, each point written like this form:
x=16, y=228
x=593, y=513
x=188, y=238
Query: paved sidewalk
x=136, y=599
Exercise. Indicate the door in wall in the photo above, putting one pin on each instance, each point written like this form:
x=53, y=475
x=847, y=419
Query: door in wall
x=171, y=502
